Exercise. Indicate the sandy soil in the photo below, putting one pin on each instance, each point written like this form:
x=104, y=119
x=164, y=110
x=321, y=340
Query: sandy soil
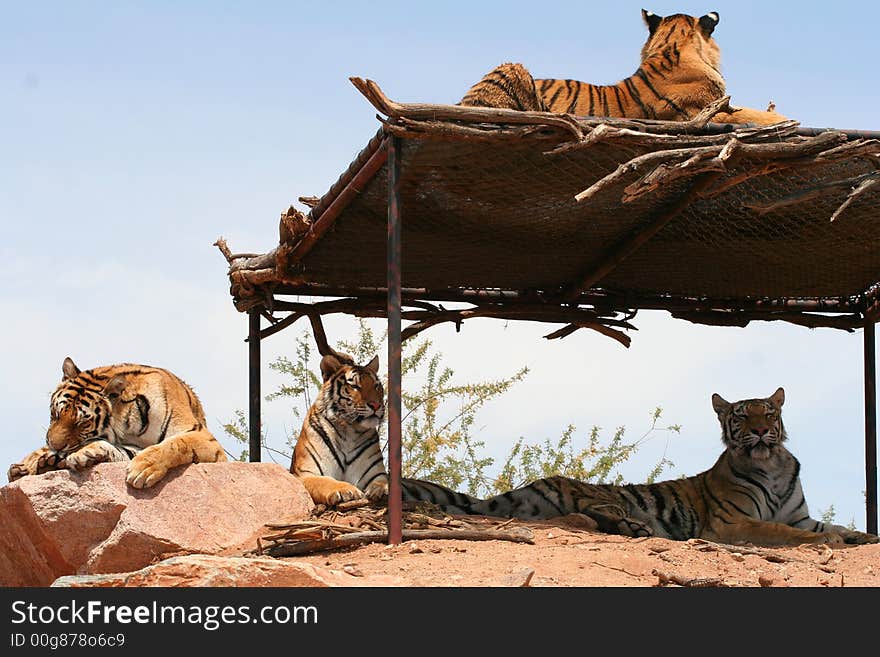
x=566, y=555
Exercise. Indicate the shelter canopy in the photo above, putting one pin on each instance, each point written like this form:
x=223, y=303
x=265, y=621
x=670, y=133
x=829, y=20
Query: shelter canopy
x=718, y=224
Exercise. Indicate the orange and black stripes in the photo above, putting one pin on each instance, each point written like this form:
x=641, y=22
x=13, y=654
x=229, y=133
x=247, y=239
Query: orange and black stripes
x=752, y=492
x=662, y=87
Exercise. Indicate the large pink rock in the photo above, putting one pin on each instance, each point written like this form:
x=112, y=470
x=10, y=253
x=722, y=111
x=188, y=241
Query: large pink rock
x=64, y=523
x=205, y=570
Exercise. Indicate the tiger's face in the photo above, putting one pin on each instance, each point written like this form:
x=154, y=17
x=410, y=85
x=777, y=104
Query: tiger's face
x=752, y=427
x=671, y=35
x=355, y=393
x=80, y=409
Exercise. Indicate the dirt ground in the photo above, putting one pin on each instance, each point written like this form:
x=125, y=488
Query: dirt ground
x=566, y=555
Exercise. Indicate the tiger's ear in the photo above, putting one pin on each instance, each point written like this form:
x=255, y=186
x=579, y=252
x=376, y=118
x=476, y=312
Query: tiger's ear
x=114, y=387
x=778, y=397
x=651, y=19
x=720, y=404
x=708, y=23
x=373, y=365
x=69, y=370
x=330, y=365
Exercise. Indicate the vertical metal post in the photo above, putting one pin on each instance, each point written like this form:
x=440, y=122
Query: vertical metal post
x=395, y=533
x=870, y=429
x=254, y=384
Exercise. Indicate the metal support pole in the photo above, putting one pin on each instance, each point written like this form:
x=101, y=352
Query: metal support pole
x=395, y=534
x=870, y=429
x=254, y=384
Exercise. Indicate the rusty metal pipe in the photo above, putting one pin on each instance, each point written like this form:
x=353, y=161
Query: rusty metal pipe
x=870, y=429
x=395, y=521
x=254, y=385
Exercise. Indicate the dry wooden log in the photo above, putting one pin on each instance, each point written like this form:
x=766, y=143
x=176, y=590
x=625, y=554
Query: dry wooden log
x=292, y=226
x=691, y=582
x=449, y=131
x=665, y=174
x=706, y=114
x=674, y=158
x=810, y=193
x=846, y=150
x=631, y=243
x=373, y=93
x=229, y=255
x=224, y=249
x=857, y=191
x=742, y=318
x=615, y=132
x=515, y=535
x=620, y=337
x=651, y=159
x=352, y=504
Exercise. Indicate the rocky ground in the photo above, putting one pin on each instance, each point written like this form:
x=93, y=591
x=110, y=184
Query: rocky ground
x=201, y=526
x=567, y=556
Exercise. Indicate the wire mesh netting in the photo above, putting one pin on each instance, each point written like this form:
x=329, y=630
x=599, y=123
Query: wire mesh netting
x=502, y=214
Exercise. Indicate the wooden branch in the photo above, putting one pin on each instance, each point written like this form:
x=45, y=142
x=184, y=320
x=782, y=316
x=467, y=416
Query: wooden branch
x=651, y=159
x=224, y=249
x=691, y=582
x=741, y=319
x=706, y=114
x=769, y=555
x=427, y=315
x=809, y=146
x=324, y=347
x=590, y=319
x=860, y=189
x=849, y=149
x=810, y=193
x=449, y=131
x=665, y=174
x=292, y=226
x=373, y=93
x=639, y=137
x=515, y=535
x=622, y=338
x=631, y=243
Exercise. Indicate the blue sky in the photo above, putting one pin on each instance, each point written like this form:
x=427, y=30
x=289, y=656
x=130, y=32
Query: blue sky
x=132, y=135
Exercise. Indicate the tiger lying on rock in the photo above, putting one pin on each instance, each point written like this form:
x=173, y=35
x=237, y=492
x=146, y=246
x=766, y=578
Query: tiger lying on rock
x=678, y=77
x=127, y=412
x=752, y=493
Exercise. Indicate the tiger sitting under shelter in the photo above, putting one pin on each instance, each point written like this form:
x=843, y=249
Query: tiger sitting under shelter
x=678, y=77
x=752, y=493
x=119, y=413
x=338, y=455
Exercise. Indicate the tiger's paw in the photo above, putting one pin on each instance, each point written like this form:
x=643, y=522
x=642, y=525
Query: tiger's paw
x=92, y=454
x=377, y=489
x=342, y=492
x=147, y=468
x=853, y=537
x=38, y=462
x=634, y=528
x=16, y=471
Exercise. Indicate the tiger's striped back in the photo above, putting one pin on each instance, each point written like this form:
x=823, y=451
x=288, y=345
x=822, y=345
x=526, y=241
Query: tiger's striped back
x=679, y=75
x=752, y=493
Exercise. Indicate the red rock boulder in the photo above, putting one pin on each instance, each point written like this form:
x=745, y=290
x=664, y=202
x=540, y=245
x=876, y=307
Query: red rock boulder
x=65, y=523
